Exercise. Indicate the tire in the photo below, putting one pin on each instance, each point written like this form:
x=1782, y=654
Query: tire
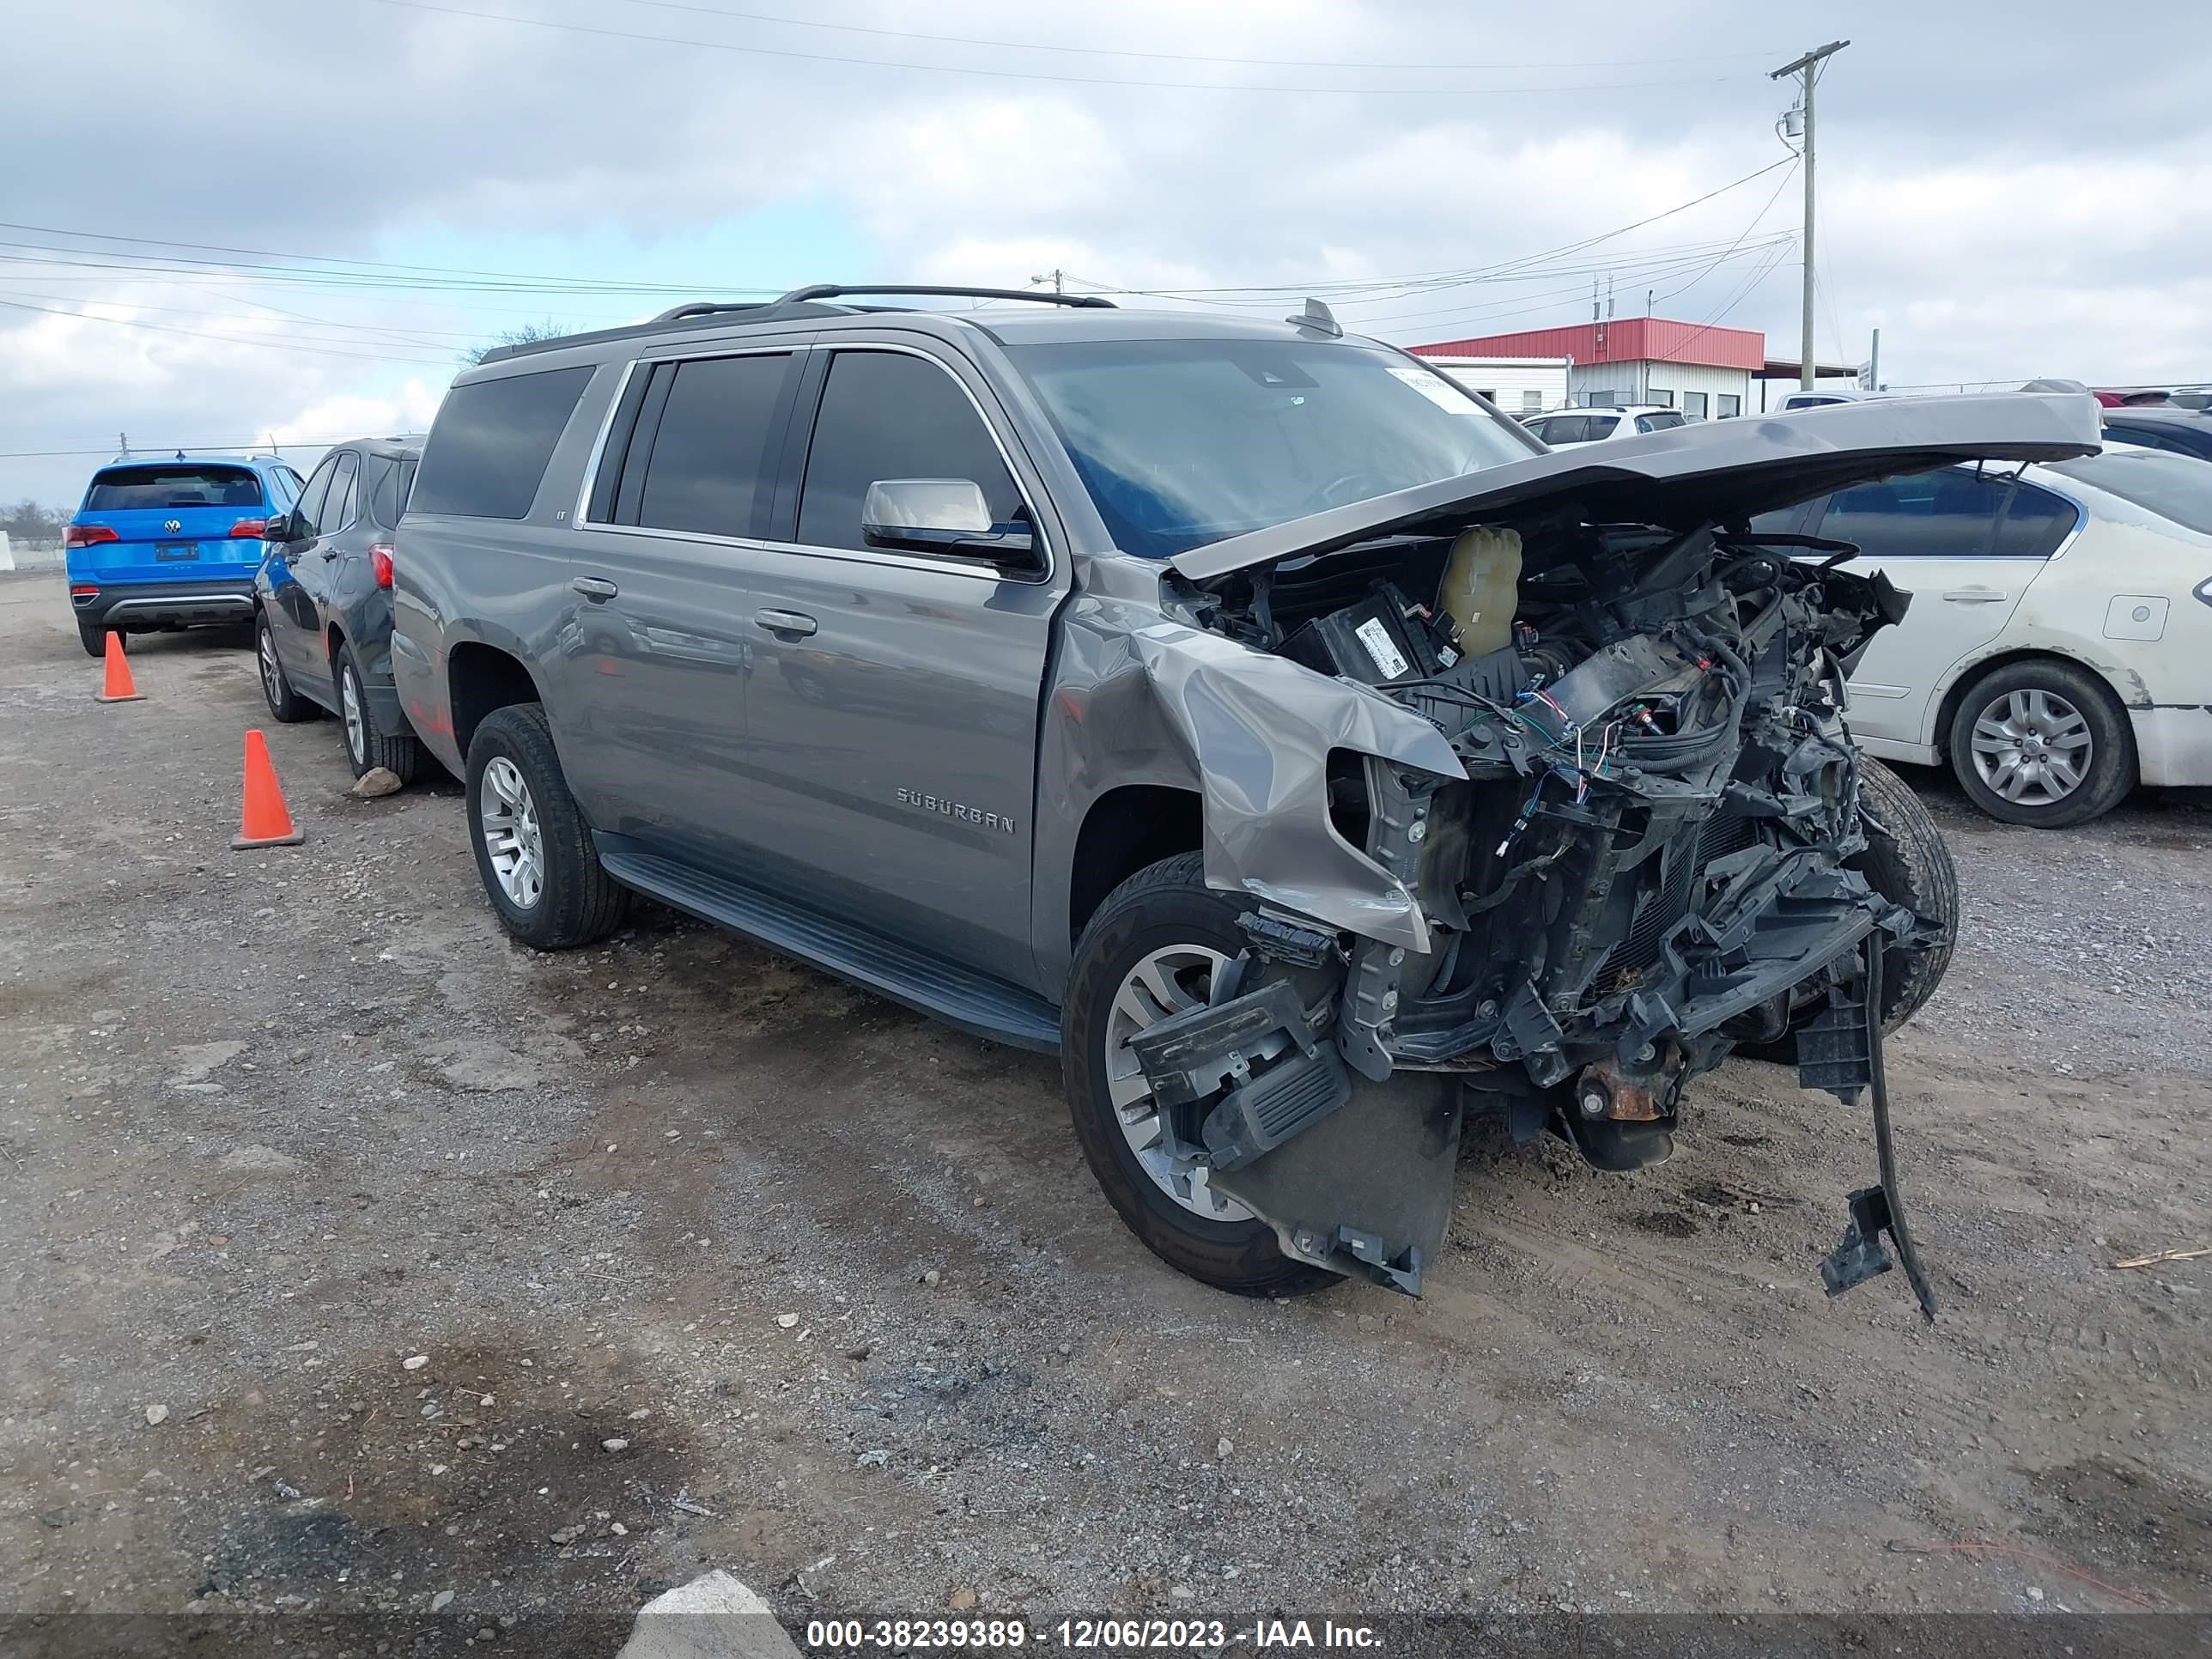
x=2030, y=708
x=1907, y=862
x=285, y=705
x=366, y=748
x=575, y=902
x=1166, y=907
x=94, y=638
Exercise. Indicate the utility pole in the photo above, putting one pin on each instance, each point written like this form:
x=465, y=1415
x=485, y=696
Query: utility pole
x=1809, y=67
x=1874, y=363
x=1057, y=275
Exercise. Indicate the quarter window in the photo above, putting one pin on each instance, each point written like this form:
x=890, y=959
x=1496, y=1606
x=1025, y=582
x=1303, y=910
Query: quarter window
x=710, y=456
x=886, y=415
x=2035, y=522
x=487, y=449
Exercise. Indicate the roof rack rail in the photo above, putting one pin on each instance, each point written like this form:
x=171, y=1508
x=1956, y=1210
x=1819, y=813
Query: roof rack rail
x=709, y=308
x=838, y=290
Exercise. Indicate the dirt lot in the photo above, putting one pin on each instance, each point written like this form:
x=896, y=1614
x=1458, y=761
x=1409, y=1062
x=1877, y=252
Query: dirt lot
x=717, y=1262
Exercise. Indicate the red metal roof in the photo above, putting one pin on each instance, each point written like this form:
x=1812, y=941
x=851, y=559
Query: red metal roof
x=1625, y=339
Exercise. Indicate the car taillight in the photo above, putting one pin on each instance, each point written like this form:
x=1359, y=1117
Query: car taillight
x=87, y=535
x=83, y=591
x=249, y=527
x=380, y=563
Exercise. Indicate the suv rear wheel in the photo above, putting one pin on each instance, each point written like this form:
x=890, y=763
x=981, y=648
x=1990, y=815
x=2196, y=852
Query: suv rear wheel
x=533, y=849
x=365, y=748
x=1152, y=949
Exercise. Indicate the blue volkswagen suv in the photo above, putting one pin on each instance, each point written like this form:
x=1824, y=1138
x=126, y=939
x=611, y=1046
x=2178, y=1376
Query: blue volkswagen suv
x=174, y=543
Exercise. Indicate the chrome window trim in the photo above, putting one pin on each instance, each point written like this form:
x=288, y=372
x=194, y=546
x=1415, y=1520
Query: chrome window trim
x=599, y=447
x=860, y=555
x=688, y=355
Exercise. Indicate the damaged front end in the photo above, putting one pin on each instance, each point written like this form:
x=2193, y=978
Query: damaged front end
x=1552, y=864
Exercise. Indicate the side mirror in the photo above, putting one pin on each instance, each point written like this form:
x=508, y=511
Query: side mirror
x=278, y=529
x=947, y=516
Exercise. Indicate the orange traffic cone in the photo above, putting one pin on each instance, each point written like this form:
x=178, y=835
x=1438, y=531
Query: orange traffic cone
x=115, y=685
x=264, y=822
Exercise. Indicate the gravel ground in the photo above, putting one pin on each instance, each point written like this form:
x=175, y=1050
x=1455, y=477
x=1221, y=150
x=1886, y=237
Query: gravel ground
x=357, y=1263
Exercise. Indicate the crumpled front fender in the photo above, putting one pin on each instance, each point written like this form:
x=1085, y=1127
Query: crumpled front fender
x=1260, y=729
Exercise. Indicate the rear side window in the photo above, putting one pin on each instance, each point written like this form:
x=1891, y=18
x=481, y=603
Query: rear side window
x=1660, y=423
x=489, y=447
x=131, y=489
x=1600, y=426
x=2035, y=522
x=387, y=494
x=1945, y=514
x=706, y=469
x=885, y=415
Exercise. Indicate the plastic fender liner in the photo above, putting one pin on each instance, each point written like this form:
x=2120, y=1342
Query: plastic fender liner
x=1366, y=1191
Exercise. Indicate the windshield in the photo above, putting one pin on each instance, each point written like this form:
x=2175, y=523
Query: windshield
x=1184, y=442
x=2176, y=487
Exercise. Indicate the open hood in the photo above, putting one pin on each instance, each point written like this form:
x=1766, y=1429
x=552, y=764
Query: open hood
x=1713, y=472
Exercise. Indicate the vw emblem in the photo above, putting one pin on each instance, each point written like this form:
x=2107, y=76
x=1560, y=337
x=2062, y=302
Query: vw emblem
x=172, y=526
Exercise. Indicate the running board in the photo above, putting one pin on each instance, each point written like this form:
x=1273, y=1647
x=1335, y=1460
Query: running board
x=973, y=1002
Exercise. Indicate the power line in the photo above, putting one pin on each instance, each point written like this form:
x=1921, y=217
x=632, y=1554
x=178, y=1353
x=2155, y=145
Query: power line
x=226, y=339
x=1183, y=57
x=1038, y=74
x=238, y=446
x=1445, y=279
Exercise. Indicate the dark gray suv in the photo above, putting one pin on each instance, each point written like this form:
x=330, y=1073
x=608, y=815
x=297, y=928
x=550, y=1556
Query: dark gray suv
x=1243, y=710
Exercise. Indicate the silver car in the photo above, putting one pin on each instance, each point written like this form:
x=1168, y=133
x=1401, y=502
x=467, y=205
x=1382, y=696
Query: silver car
x=1242, y=709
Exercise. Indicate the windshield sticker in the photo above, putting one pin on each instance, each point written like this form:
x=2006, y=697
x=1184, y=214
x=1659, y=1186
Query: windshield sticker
x=1437, y=389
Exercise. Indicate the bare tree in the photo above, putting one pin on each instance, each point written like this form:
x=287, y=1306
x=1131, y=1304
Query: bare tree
x=528, y=334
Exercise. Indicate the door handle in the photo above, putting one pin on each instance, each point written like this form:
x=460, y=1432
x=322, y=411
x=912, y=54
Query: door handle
x=1975, y=596
x=598, y=588
x=793, y=622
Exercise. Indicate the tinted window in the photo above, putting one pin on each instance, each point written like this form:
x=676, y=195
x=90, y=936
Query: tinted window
x=127, y=489
x=885, y=415
x=391, y=480
x=487, y=449
x=1562, y=428
x=1657, y=422
x=2176, y=487
x=283, y=487
x=2179, y=439
x=711, y=452
x=1597, y=427
x=341, y=509
x=1783, y=521
x=1944, y=514
x=309, y=513
x=2035, y=522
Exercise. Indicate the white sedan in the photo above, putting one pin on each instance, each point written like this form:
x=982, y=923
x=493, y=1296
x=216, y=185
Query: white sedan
x=2058, y=648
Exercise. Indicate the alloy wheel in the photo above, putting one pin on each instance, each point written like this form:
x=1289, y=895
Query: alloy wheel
x=356, y=724
x=1167, y=981
x=272, y=677
x=508, y=819
x=2032, y=747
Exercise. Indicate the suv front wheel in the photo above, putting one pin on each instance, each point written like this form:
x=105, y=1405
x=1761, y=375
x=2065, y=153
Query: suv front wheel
x=533, y=849
x=1151, y=950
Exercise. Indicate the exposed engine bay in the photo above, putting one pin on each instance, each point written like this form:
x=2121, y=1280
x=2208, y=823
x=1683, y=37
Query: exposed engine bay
x=1646, y=863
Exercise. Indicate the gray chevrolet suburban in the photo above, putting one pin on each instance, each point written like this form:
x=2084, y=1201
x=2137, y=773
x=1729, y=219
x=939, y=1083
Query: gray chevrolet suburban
x=1240, y=708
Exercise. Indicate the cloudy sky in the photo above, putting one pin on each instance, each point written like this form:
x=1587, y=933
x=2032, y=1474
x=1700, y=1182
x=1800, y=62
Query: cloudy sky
x=223, y=221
